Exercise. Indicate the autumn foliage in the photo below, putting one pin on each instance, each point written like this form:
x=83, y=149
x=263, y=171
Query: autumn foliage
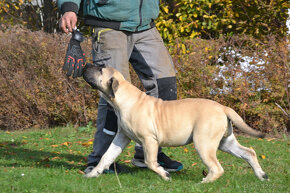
x=36, y=93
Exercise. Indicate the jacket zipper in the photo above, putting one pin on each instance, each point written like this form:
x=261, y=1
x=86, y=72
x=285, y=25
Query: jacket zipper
x=140, y=14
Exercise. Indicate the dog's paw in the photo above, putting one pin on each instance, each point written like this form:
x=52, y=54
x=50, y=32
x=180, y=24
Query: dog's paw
x=265, y=177
x=167, y=176
x=92, y=174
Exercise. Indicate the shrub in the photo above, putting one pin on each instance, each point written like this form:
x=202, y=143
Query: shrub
x=241, y=72
x=36, y=93
x=34, y=90
x=215, y=18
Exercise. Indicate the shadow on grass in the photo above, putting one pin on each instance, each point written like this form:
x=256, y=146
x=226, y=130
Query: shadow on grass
x=16, y=156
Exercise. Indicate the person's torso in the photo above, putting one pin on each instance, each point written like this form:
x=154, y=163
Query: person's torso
x=128, y=15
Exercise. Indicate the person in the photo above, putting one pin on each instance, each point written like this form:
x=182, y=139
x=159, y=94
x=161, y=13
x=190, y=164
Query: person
x=124, y=32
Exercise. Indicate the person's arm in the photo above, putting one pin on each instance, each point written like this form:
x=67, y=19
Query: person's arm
x=69, y=10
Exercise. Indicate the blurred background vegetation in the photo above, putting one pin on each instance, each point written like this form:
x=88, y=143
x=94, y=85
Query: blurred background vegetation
x=234, y=52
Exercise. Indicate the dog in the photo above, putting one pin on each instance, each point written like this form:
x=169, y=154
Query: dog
x=153, y=122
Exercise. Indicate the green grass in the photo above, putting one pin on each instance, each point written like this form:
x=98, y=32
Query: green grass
x=52, y=160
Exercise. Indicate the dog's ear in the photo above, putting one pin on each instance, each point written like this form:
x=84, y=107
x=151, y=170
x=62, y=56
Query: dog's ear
x=113, y=84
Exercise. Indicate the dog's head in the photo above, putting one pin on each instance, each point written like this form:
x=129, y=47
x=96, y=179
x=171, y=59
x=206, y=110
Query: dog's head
x=104, y=79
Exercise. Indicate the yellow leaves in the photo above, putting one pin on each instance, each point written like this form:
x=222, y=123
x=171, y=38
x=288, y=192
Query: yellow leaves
x=62, y=144
x=86, y=144
x=65, y=144
x=183, y=48
x=181, y=29
x=185, y=150
x=263, y=156
x=165, y=9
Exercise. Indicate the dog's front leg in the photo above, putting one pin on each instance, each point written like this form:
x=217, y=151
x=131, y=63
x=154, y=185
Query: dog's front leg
x=150, y=146
x=119, y=143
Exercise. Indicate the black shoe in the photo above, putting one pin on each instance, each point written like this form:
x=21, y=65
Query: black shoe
x=111, y=170
x=167, y=163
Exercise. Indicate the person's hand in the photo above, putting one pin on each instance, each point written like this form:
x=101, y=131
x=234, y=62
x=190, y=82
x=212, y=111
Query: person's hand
x=75, y=57
x=68, y=22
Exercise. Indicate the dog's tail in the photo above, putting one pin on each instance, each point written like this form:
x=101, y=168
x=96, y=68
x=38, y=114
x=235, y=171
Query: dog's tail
x=240, y=124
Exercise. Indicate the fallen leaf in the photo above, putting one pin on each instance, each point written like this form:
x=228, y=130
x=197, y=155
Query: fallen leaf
x=24, y=141
x=193, y=164
x=270, y=139
x=185, y=150
x=54, y=158
x=66, y=143
x=127, y=161
x=263, y=156
x=54, y=145
x=70, y=162
x=81, y=172
x=44, y=138
x=2, y=145
x=86, y=144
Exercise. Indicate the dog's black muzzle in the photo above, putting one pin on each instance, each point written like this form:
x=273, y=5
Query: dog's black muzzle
x=90, y=72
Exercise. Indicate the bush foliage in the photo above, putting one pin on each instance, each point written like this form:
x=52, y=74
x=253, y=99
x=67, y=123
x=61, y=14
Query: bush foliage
x=178, y=18
x=36, y=93
x=215, y=18
x=243, y=73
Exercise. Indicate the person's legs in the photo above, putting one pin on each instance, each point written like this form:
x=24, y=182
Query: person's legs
x=155, y=69
x=153, y=64
x=114, y=43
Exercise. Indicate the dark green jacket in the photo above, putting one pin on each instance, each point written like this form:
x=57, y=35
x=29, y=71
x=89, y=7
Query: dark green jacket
x=128, y=15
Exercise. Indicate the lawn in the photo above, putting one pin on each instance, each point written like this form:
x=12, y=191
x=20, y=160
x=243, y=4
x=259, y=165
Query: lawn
x=52, y=160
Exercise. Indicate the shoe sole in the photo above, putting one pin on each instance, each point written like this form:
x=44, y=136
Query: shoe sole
x=140, y=164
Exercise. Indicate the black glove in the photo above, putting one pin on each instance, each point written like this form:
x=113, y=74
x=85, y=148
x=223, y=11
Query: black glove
x=75, y=57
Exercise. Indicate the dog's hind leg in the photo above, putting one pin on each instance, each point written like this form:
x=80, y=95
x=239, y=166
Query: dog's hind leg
x=150, y=146
x=231, y=145
x=119, y=143
x=208, y=156
x=207, y=148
